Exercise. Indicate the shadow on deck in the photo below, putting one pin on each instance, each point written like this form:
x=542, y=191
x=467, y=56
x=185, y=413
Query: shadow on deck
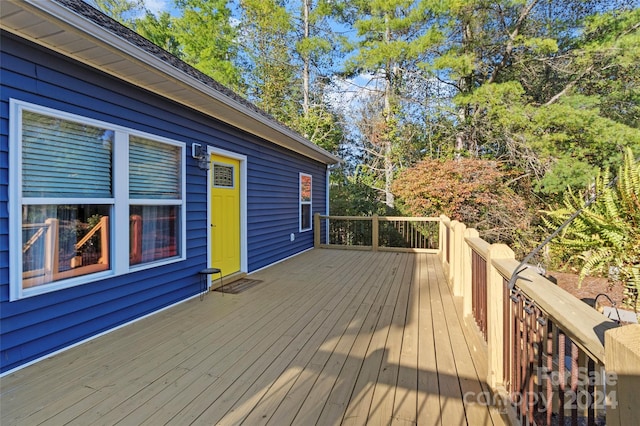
x=327, y=337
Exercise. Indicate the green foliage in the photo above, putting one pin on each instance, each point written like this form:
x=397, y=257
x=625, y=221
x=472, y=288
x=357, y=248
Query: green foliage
x=612, y=43
x=351, y=196
x=566, y=171
x=605, y=238
x=560, y=144
x=320, y=126
x=268, y=40
x=207, y=39
x=161, y=31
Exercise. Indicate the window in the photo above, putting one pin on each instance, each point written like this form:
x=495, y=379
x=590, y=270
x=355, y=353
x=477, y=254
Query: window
x=222, y=176
x=77, y=182
x=305, y=202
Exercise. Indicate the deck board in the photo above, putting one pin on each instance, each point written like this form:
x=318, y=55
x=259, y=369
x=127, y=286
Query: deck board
x=328, y=337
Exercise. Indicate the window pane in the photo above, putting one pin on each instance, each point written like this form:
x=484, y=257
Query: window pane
x=154, y=169
x=222, y=176
x=63, y=158
x=305, y=188
x=154, y=233
x=63, y=241
x=305, y=219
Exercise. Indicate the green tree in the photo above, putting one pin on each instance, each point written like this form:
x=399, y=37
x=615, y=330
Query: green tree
x=315, y=47
x=392, y=36
x=321, y=126
x=609, y=65
x=161, y=31
x=267, y=39
x=549, y=89
x=208, y=40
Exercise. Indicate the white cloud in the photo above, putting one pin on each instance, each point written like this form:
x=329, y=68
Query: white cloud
x=157, y=6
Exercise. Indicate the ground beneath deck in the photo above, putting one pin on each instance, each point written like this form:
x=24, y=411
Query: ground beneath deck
x=327, y=337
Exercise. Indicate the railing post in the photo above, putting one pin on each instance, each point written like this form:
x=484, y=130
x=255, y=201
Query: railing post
x=442, y=241
x=495, y=318
x=456, y=260
x=467, y=272
x=104, y=240
x=449, y=252
x=316, y=230
x=622, y=362
x=51, y=252
x=375, y=232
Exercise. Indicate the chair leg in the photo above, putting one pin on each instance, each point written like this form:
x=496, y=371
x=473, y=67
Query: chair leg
x=204, y=279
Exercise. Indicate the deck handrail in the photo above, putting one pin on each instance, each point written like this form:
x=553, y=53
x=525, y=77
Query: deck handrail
x=99, y=227
x=539, y=327
x=385, y=233
x=536, y=326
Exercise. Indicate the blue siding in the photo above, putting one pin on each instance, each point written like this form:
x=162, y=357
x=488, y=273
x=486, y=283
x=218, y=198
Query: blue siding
x=33, y=327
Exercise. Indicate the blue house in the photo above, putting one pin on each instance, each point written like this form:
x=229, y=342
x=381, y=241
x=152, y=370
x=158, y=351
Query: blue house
x=125, y=172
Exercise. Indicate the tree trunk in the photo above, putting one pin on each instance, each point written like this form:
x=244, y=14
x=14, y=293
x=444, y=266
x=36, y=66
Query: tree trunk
x=388, y=113
x=306, y=59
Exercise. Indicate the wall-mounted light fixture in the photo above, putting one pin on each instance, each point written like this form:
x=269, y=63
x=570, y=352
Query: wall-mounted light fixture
x=200, y=153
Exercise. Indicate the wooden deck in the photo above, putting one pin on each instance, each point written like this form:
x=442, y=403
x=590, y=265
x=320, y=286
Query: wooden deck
x=327, y=337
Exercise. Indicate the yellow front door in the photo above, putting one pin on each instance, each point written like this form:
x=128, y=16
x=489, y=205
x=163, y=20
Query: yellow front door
x=225, y=214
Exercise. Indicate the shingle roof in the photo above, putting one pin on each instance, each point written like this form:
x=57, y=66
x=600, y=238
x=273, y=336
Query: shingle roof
x=131, y=36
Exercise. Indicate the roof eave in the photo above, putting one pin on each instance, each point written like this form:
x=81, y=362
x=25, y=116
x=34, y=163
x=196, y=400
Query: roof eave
x=194, y=93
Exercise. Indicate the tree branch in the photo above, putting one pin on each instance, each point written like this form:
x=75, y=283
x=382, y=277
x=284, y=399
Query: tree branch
x=569, y=86
x=510, y=44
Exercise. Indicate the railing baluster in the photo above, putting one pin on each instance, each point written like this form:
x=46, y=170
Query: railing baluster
x=506, y=347
x=479, y=291
x=574, y=384
x=591, y=418
x=549, y=370
x=518, y=350
x=540, y=348
x=448, y=245
x=524, y=366
x=561, y=375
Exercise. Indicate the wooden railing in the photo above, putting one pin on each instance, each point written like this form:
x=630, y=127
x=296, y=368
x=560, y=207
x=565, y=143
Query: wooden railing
x=378, y=233
x=551, y=358
x=44, y=242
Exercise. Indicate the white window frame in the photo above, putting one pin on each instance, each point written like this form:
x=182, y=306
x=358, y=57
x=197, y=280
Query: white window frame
x=301, y=203
x=120, y=202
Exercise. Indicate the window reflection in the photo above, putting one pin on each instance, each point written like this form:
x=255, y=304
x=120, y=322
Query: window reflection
x=63, y=241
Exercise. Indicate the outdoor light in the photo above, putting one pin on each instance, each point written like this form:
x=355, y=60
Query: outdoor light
x=200, y=153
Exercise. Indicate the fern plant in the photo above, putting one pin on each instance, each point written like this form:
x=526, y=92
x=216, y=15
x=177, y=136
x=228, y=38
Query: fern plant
x=605, y=238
